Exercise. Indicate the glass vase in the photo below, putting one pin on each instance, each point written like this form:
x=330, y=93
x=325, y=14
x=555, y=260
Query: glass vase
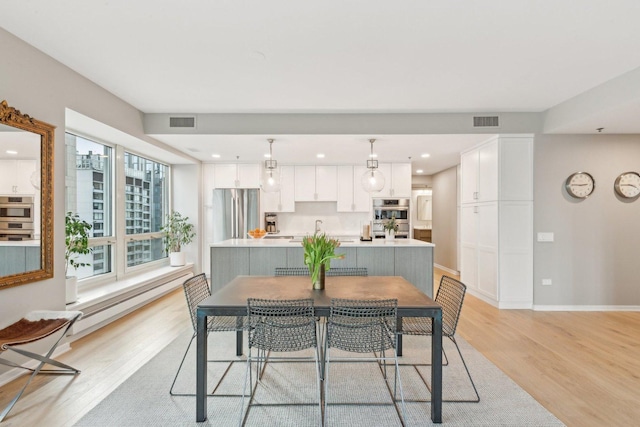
x=318, y=284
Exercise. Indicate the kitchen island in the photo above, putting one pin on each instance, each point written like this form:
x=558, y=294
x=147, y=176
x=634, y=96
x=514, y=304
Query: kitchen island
x=19, y=256
x=409, y=258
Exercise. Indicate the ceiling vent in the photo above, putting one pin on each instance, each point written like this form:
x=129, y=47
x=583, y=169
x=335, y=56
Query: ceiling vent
x=182, y=122
x=486, y=121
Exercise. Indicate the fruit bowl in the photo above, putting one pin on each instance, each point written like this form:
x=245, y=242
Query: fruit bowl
x=258, y=233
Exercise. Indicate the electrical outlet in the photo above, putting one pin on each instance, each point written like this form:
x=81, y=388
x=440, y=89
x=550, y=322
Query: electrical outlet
x=546, y=282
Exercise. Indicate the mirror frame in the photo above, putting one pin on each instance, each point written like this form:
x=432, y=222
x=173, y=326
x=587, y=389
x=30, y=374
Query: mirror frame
x=11, y=117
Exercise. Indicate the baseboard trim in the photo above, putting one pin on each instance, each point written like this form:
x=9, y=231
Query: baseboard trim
x=586, y=307
x=447, y=269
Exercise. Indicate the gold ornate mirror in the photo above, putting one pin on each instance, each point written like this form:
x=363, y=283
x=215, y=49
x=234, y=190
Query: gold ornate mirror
x=26, y=198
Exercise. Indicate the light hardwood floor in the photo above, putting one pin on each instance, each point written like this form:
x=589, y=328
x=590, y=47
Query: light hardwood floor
x=584, y=367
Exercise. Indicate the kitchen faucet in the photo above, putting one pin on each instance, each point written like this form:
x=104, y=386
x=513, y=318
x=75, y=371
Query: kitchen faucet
x=318, y=222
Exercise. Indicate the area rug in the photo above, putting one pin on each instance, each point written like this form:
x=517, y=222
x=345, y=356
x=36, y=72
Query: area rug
x=144, y=400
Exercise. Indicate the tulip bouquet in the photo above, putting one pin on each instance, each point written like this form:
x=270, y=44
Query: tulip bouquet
x=319, y=250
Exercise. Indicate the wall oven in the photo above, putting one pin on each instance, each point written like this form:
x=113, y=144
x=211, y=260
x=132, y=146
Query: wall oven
x=384, y=209
x=16, y=231
x=16, y=209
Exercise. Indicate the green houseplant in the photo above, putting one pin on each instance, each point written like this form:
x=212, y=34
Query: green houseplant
x=390, y=227
x=319, y=250
x=178, y=231
x=76, y=244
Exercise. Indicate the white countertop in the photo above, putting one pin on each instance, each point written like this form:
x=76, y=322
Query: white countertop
x=347, y=242
x=20, y=243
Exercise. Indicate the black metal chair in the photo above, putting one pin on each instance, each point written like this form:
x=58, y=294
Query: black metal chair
x=35, y=326
x=334, y=271
x=450, y=296
x=279, y=326
x=363, y=326
x=196, y=289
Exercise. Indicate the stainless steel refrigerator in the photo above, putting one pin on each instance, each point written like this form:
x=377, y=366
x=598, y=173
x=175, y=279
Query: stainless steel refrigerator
x=235, y=212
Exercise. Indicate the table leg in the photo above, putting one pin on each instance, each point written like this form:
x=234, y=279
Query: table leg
x=239, y=342
x=399, y=337
x=436, y=368
x=201, y=368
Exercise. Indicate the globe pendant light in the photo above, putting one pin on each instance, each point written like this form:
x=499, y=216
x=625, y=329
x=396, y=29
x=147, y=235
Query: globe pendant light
x=372, y=180
x=271, y=178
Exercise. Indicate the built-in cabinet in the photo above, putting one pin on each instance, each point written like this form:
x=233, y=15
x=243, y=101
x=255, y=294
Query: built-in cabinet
x=283, y=200
x=237, y=175
x=351, y=196
x=316, y=184
x=423, y=234
x=397, y=180
x=496, y=221
x=15, y=177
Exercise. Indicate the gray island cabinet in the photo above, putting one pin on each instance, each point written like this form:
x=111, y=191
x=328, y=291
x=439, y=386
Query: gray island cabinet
x=409, y=258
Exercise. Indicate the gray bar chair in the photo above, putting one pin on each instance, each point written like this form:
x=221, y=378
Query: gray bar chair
x=334, y=271
x=279, y=326
x=450, y=296
x=364, y=326
x=35, y=326
x=196, y=289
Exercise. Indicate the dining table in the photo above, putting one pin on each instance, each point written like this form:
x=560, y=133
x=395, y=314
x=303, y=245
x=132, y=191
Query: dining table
x=231, y=300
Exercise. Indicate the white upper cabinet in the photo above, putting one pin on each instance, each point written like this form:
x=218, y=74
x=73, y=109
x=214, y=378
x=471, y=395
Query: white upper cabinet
x=240, y=175
x=500, y=169
x=283, y=200
x=397, y=180
x=15, y=177
x=316, y=184
x=351, y=196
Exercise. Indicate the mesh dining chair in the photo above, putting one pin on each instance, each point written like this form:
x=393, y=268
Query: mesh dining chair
x=363, y=326
x=450, y=296
x=196, y=289
x=279, y=326
x=335, y=271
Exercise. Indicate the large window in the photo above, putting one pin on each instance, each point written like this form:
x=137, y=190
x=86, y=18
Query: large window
x=89, y=182
x=125, y=234
x=145, y=208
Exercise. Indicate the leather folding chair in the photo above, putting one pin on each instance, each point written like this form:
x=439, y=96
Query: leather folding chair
x=33, y=327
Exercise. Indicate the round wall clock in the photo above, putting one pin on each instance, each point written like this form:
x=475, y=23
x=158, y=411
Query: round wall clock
x=627, y=185
x=580, y=185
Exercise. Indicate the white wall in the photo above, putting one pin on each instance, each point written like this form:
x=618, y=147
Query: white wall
x=594, y=260
x=41, y=87
x=445, y=218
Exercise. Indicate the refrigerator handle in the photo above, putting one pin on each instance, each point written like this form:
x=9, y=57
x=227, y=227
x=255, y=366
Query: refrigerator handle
x=234, y=217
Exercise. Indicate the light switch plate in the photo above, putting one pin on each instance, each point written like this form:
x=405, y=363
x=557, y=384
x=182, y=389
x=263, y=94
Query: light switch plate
x=545, y=237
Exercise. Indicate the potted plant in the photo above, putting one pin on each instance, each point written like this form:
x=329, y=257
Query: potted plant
x=76, y=244
x=177, y=232
x=319, y=250
x=390, y=228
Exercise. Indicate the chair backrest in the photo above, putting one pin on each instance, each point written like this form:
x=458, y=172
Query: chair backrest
x=336, y=271
x=196, y=289
x=450, y=296
x=281, y=325
x=362, y=326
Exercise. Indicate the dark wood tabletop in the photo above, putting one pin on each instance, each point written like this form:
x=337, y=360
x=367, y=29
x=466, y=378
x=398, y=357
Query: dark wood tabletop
x=232, y=299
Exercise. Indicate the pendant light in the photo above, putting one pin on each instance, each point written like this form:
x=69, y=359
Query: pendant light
x=271, y=178
x=372, y=180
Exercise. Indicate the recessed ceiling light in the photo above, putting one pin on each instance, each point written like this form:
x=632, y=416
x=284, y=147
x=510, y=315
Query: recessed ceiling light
x=12, y=152
x=419, y=171
x=267, y=155
x=215, y=156
x=373, y=155
x=425, y=155
x=320, y=156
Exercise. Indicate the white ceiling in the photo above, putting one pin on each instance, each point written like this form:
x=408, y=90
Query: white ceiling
x=204, y=56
